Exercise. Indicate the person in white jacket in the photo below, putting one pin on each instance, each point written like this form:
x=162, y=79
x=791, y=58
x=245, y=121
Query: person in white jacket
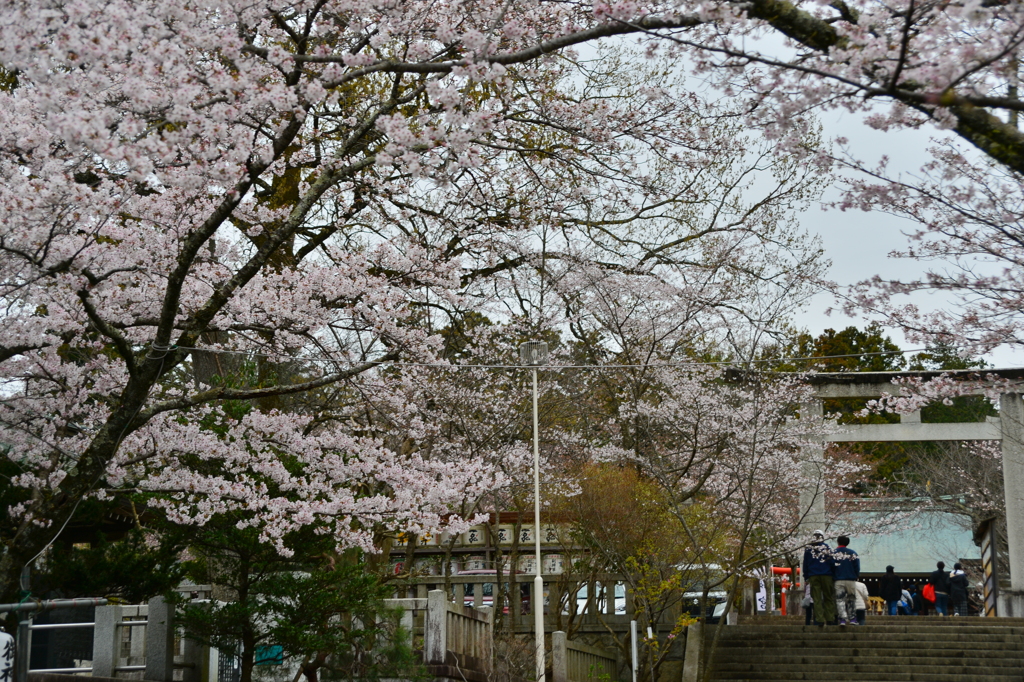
x=905, y=606
x=860, y=598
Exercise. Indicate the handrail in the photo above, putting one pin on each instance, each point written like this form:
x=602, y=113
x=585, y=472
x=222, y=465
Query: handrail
x=59, y=626
x=47, y=604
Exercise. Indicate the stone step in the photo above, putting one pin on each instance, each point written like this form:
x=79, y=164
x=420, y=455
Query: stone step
x=876, y=630
x=951, y=621
x=836, y=674
x=1002, y=650
x=861, y=666
x=837, y=656
x=874, y=627
x=886, y=649
x=861, y=636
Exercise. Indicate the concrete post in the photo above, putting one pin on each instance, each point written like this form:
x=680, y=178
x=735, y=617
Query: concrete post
x=911, y=417
x=748, y=606
x=812, y=469
x=554, y=603
x=435, y=628
x=559, y=657
x=794, y=597
x=1011, y=418
x=488, y=648
x=160, y=641
x=213, y=665
x=104, y=641
x=195, y=661
x=23, y=652
x=407, y=620
x=1010, y=603
x=694, y=652
x=135, y=634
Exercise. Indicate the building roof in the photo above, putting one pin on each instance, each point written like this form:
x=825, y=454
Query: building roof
x=916, y=546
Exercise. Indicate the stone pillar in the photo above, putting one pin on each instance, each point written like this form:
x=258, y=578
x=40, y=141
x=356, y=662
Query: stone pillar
x=407, y=620
x=195, y=655
x=488, y=644
x=694, y=652
x=559, y=657
x=1011, y=418
x=911, y=417
x=749, y=604
x=1010, y=604
x=435, y=628
x=160, y=641
x=554, y=603
x=213, y=666
x=105, y=641
x=812, y=469
x=795, y=596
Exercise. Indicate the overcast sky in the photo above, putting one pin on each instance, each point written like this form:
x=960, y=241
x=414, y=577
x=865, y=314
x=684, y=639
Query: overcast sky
x=858, y=243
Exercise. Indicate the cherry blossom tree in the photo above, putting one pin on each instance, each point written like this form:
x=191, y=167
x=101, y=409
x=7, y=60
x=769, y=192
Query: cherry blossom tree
x=734, y=443
x=905, y=64
x=242, y=178
x=950, y=63
x=727, y=449
x=966, y=221
x=220, y=222
x=963, y=478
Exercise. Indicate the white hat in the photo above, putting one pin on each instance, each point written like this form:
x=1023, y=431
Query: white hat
x=818, y=532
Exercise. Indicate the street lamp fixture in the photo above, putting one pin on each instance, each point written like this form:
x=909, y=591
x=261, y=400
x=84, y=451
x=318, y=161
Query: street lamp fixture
x=532, y=354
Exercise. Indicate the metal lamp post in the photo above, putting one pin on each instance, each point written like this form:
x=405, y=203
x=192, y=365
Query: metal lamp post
x=532, y=354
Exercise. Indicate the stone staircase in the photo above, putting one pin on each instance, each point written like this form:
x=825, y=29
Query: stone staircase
x=885, y=649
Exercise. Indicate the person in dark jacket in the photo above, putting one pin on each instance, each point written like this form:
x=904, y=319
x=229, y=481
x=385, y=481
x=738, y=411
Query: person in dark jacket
x=847, y=574
x=958, y=590
x=919, y=601
x=939, y=579
x=890, y=588
x=819, y=571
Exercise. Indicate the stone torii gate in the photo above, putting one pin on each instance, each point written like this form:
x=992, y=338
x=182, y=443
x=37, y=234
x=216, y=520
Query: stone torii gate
x=1007, y=428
